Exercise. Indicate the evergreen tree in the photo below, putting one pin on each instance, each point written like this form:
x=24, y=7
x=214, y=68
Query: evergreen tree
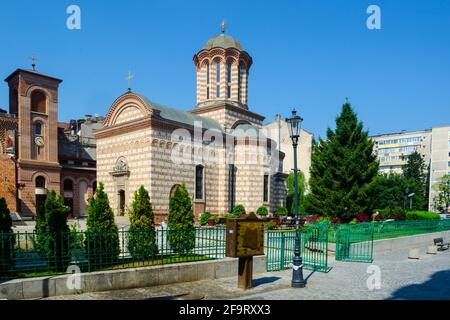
x=415, y=172
x=102, y=238
x=181, y=221
x=142, y=235
x=7, y=239
x=52, y=232
x=291, y=193
x=388, y=191
x=343, y=166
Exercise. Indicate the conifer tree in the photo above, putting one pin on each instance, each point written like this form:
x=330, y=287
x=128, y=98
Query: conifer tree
x=181, y=221
x=291, y=193
x=102, y=239
x=142, y=236
x=7, y=239
x=415, y=172
x=52, y=232
x=343, y=167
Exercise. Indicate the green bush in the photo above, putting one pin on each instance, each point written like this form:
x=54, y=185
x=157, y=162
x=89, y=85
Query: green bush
x=204, y=218
x=216, y=219
x=102, y=236
x=7, y=239
x=142, y=235
x=52, y=232
x=181, y=221
x=262, y=211
x=270, y=225
x=238, y=210
x=281, y=212
x=422, y=215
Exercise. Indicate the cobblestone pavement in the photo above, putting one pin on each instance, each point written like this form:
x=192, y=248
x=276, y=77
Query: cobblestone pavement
x=401, y=278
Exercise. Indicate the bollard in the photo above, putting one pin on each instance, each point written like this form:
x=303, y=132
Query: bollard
x=414, y=253
x=432, y=250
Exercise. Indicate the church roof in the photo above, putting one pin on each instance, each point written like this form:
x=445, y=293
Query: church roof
x=223, y=41
x=248, y=130
x=182, y=116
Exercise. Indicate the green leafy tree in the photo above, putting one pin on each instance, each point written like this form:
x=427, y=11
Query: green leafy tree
x=291, y=192
x=102, y=237
x=262, y=211
x=388, y=191
x=142, y=235
x=415, y=172
x=343, y=167
x=181, y=221
x=442, y=198
x=7, y=239
x=238, y=210
x=53, y=233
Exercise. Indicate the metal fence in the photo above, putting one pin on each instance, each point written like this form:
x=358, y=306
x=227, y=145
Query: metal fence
x=279, y=248
x=32, y=254
x=354, y=242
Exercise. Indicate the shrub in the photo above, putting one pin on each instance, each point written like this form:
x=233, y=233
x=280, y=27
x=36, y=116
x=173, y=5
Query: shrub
x=262, y=211
x=204, y=218
x=142, y=235
x=52, y=232
x=238, y=210
x=7, y=239
x=281, y=212
x=102, y=236
x=181, y=221
x=362, y=217
x=216, y=219
x=270, y=225
x=312, y=219
x=422, y=215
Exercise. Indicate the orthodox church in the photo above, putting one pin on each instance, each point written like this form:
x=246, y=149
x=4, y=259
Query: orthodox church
x=219, y=148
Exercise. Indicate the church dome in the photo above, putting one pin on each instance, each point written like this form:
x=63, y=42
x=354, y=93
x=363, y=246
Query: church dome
x=223, y=41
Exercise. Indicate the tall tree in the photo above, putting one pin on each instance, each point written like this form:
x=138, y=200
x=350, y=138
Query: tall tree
x=388, y=191
x=442, y=198
x=102, y=242
x=343, y=166
x=142, y=236
x=181, y=221
x=52, y=231
x=415, y=172
x=291, y=192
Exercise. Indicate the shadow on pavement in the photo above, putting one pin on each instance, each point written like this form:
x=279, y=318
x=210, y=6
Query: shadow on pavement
x=437, y=288
x=265, y=280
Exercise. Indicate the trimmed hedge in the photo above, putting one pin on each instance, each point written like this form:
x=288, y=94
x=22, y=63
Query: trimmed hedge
x=262, y=211
x=422, y=215
x=281, y=212
x=204, y=218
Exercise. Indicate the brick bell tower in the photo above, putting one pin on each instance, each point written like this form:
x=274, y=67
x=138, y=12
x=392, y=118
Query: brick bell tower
x=33, y=98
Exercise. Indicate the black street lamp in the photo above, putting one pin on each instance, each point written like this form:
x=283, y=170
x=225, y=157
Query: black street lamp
x=294, y=125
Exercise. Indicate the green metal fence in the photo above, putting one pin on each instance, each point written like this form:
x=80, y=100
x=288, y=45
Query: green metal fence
x=354, y=242
x=279, y=248
x=32, y=254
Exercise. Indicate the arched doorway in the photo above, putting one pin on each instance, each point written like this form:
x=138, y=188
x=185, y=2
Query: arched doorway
x=68, y=195
x=40, y=193
x=121, y=202
x=83, y=190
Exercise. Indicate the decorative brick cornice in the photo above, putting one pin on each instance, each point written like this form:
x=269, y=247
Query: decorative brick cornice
x=122, y=102
x=226, y=106
x=224, y=55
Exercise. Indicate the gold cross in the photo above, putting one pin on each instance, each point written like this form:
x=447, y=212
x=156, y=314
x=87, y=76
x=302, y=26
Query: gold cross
x=33, y=61
x=129, y=78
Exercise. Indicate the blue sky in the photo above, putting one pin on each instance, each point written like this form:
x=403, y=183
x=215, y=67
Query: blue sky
x=307, y=54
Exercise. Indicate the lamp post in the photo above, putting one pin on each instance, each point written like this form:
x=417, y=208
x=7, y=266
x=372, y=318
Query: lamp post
x=294, y=125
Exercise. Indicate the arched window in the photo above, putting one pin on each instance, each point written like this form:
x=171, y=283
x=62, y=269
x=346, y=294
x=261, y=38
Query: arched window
x=94, y=186
x=199, y=179
x=218, y=79
x=68, y=185
x=173, y=189
x=38, y=129
x=40, y=182
x=239, y=84
x=38, y=102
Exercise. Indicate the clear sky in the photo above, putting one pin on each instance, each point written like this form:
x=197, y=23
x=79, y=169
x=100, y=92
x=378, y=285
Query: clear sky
x=307, y=54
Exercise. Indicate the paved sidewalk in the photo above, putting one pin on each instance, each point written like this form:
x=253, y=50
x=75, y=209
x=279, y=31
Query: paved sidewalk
x=401, y=278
